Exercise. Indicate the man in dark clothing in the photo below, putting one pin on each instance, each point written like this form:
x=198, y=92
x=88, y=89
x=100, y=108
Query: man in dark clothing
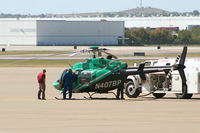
x=120, y=90
x=68, y=80
x=41, y=81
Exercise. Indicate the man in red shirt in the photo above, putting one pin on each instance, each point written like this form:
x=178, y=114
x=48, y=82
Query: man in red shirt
x=41, y=80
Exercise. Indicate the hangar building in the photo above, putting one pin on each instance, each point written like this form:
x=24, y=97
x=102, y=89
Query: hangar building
x=60, y=32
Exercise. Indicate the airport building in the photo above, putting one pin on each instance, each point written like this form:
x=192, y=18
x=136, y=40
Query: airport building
x=60, y=32
x=83, y=31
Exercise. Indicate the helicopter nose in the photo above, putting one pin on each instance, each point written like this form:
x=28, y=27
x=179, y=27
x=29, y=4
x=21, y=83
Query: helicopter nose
x=56, y=87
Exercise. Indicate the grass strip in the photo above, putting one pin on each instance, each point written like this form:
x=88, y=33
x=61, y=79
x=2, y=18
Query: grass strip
x=50, y=63
x=32, y=52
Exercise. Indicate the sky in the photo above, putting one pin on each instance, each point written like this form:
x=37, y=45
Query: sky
x=84, y=6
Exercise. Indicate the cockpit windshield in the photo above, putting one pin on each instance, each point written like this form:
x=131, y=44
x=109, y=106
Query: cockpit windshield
x=62, y=74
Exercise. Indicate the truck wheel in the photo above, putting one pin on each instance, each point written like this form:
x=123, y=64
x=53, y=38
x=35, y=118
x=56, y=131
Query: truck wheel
x=184, y=94
x=159, y=95
x=131, y=91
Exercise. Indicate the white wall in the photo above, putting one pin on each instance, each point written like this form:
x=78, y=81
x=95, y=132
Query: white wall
x=59, y=32
x=17, y=32
x=78, y=32
x=181, y=22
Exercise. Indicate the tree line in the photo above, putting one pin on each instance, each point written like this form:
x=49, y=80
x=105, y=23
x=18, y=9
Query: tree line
x=143, y=36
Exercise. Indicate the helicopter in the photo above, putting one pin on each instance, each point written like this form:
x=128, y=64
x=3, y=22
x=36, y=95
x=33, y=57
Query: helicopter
x=103, y=75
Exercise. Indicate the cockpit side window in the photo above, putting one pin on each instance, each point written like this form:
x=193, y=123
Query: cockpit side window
x=85, y=77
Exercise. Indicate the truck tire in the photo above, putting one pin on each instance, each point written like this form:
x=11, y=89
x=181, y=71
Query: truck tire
x=184, y=94
x=131, y=91
x=159, y=95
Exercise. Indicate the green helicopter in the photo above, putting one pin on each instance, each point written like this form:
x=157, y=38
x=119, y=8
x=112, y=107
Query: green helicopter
x=103, y=75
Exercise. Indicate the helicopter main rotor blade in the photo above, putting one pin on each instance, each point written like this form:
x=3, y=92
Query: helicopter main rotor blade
x=110, y=54
x=74, y=54
x=79, y=52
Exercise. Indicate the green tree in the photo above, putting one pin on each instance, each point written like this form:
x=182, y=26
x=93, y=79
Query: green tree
x=141, y=35
x=146, y=36
x=161, y=37
x=137, y=36
x=195, y=35
x=184, y=36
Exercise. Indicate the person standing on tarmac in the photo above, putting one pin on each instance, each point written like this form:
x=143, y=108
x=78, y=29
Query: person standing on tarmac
x=42, y=86
x=68, y=80
x=120, y=90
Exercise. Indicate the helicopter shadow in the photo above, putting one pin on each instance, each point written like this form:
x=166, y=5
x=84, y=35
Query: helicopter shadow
x=149, y=99
x=99, y=98
x=86, y=98
x=133, y=99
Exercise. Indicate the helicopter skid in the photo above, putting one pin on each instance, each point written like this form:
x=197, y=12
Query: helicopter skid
x=90, y=95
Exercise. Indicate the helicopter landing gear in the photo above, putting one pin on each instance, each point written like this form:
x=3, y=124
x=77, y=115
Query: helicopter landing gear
x=90, y=95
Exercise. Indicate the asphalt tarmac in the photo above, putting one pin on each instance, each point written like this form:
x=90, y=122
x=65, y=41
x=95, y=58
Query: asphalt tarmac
x=21, y=112
x=120, y=52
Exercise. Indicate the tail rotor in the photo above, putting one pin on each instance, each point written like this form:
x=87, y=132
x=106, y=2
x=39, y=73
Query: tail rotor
x=173, y=66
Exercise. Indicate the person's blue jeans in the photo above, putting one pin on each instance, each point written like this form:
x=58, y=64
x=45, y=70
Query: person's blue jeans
x=65, y=91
